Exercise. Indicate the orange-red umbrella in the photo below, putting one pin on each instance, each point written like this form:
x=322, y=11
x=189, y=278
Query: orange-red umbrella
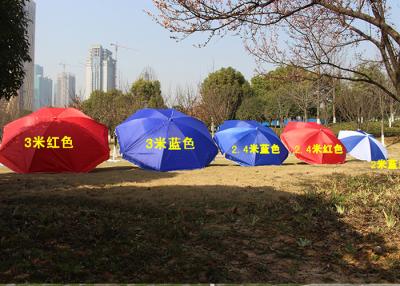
x=313, y=143
x=54, y=140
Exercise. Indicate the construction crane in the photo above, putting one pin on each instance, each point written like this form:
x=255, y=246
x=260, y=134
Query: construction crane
x=116, y=47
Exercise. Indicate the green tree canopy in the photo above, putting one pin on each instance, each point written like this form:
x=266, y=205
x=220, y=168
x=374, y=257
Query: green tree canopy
x=109, y=108
x=222, y=93
x=147, y=93
x=285, y=92
x=14, y=46
x=252, y=108
x=360, y=101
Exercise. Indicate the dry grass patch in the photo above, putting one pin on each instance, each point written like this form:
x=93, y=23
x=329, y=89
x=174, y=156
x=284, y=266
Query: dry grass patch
x=342, y=229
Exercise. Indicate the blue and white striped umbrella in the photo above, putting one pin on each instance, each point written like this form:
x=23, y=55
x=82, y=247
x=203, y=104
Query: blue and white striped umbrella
x=362, y=145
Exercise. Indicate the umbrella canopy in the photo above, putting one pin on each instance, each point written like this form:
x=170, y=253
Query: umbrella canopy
x=313, y=143
x=165, y=140
x=362, y=145
x=54, y=140
x=249, y=143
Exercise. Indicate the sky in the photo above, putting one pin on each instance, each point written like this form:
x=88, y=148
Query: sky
x=66, y=29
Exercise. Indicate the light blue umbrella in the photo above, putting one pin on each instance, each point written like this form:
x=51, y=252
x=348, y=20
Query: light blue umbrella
x=362, y=145
x=249, y=143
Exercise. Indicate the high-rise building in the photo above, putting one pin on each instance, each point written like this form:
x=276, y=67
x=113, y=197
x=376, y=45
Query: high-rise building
x=26, y=92
x=65, y=90
x=16, y=105
x=100, y=71
x=109, y=71
x=43, y=89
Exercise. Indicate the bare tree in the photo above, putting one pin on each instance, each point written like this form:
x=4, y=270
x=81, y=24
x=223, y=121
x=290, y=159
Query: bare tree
x=186, y=98
x=303, y=97
x=317, y=29
x=218, y=108
x=283, y=104
x=358, y=105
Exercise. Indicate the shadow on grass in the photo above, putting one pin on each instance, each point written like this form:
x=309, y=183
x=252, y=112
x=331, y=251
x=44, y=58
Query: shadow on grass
x=98, y=177
x=115, y=168
x=182, y=234
x=394, y=141
x=229, y=163
x=295, y=163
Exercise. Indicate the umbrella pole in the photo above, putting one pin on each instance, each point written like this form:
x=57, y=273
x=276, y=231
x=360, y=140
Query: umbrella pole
x=114, y=152
x=212, y=127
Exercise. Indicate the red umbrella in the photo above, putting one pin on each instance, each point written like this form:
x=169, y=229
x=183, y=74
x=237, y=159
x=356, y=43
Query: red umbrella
x=54, y=140
x=313, y=143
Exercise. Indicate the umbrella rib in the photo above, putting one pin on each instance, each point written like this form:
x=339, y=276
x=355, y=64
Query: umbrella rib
x=23, y=130
x=356, y=137
x=140, y=139
x=52, y=150
x=162, y=154
x=204, y=134
x=33, y=153
x=351, y=152
x=249, y=132
x=106, y=149
x=86, y=119
x=191, y=153
x=246, y=133
x=196, y=120
x=312, y=134
x=304, y=143
x=371, y=141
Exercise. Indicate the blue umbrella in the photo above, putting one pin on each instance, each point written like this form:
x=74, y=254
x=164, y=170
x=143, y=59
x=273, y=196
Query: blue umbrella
x=165, y=140
x=249, y=143
x=362, y=146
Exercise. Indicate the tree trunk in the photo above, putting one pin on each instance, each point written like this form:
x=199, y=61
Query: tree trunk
x=333, y=104
x=318, y=105
x=382, y=121
x=305, y=115
x=391, y=115
x=358, y=119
